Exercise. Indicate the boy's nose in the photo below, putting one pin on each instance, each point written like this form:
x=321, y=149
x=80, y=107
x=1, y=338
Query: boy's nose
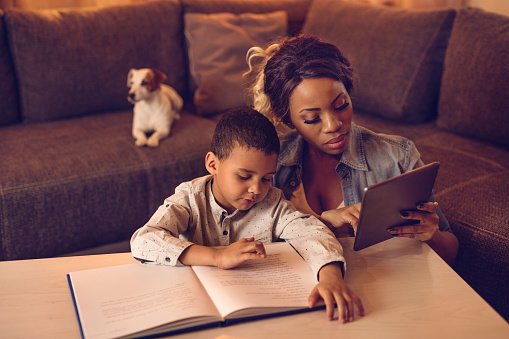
x=254, y=189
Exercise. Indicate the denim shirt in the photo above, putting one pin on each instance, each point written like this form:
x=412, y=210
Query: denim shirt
x=370, y=158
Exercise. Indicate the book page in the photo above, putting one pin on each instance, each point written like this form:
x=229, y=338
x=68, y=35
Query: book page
x=282, y=280
x=120, y=300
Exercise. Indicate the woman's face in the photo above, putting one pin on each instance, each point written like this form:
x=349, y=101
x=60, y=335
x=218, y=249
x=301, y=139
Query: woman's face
x=321, y=111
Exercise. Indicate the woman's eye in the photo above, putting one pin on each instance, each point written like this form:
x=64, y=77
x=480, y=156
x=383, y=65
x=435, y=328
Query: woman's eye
x=312, y=121
x=342, y=107
x=144, y=83
x=267, y=179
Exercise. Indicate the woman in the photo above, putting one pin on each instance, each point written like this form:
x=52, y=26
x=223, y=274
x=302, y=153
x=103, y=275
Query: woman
x=326, y=160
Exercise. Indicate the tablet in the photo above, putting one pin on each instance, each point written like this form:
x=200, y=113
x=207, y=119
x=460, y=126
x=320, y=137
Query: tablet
x=382, y=203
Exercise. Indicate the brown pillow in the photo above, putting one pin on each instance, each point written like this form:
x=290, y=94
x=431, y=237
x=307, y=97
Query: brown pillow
x=473, y=99
x=295, y=9
x=75, y=62
x=396, y=54
x=217, y=47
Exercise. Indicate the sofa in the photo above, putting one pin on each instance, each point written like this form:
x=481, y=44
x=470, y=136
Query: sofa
x=73, y=182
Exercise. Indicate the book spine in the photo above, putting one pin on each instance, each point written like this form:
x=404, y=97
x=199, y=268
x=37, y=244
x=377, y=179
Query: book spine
x=227, y=322
x=69, y=281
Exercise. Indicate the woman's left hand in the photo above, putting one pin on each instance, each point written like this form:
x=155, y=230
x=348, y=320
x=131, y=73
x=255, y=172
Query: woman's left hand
x=427, y=226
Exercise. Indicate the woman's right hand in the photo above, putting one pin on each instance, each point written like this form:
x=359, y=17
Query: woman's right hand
x=342, y=218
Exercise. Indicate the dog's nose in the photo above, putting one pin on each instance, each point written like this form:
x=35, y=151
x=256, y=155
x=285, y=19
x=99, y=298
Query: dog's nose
x=131, y=97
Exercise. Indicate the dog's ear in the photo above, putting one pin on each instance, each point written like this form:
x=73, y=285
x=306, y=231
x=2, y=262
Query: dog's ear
x=130, y=76
x=159, y=77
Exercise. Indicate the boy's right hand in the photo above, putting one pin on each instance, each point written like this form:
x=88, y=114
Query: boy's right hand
x=239, y=252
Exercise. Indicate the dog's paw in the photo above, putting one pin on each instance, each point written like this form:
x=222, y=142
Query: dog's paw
x=140, y=142
x=153, y=142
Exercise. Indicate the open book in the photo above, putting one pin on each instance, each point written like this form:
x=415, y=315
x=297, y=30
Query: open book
x=143, y=299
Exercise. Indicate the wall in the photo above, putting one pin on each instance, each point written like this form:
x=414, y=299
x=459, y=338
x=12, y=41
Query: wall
x=497, y=6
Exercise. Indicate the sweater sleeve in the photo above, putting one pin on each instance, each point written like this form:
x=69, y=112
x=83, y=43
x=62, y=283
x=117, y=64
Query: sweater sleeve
x=307, y=234
x=158, y=240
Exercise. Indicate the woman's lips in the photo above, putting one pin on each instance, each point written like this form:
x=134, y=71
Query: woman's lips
x=337, y=143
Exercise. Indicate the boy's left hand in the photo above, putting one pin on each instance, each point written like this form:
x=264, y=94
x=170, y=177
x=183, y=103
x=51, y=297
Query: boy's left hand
x=333, y=290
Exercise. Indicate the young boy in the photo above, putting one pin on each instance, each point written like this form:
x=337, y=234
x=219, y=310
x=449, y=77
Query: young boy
x=214, y=220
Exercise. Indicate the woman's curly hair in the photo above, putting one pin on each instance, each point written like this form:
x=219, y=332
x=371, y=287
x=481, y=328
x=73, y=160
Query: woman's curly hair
x=283, y=67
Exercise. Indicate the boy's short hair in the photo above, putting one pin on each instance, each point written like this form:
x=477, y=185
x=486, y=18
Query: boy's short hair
x=244, y=127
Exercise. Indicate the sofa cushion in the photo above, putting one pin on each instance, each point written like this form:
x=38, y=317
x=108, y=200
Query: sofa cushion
x=73, y=184
x=295, y=9
x=481, y=228
x=9, y=112
x=74, y=62
x=473, y=95
x=396, y=54
x=217, y=46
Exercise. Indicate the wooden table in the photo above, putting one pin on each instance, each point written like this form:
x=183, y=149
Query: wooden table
x=407, y=291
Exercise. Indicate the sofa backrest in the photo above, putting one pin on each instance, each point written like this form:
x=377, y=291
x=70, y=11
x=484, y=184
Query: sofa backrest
x=396, y=54
x=9, y=112
x=474, y=96
x=75, y=62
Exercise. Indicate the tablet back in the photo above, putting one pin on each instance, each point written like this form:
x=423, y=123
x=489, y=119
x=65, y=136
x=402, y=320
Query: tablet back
x=382, y=203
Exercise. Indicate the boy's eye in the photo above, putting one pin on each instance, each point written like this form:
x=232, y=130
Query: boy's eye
x=144, y=83
x=242, y=177
x=312, y=121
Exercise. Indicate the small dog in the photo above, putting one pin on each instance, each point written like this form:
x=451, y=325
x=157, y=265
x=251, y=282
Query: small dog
x=156, y=105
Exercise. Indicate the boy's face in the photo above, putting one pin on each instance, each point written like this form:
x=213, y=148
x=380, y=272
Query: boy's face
x=242, y=179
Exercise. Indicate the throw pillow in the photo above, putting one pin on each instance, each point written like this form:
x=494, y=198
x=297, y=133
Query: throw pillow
x=396, y=54
x=295, y=9
x=217, y=47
